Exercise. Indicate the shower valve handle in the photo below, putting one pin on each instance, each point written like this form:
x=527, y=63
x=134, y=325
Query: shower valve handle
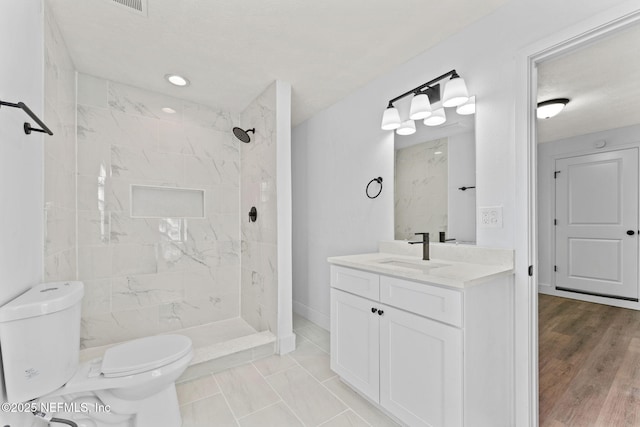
x=253, y=214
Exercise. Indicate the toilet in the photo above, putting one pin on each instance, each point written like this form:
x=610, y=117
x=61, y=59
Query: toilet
x=131, y=385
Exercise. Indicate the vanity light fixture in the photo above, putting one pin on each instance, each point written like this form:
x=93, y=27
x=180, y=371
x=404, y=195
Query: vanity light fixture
x=407, y=127
x=468, y=107
x=177, y=80
x=455, y=94
x=551, y=107
x=437, y=118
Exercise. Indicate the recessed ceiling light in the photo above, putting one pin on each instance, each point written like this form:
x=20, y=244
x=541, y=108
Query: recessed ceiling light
x=177, y=80
x=438, y=152
x=168, y=110
x=550, y=108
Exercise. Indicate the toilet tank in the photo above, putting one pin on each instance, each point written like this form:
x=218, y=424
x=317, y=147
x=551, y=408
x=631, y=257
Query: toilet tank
x=40, y=339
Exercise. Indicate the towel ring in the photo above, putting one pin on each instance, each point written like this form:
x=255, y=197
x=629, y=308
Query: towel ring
x=379, y=181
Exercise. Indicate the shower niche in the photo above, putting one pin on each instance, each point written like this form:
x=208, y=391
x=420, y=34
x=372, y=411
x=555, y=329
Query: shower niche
x=166, y=202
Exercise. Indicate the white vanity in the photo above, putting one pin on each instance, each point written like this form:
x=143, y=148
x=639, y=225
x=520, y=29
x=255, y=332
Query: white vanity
x=430, y=342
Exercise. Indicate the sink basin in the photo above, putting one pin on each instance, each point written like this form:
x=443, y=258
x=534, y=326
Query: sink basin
x=424, y=266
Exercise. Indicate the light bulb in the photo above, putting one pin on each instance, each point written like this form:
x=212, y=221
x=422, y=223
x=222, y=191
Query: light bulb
x=468, y=107
x=420, y=107
x=390, y=119
x=437, y=118
x=408, y=127
x=455, y=92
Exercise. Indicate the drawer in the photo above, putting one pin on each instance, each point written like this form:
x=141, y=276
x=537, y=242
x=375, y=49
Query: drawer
x=426, y=300
x=356, y=282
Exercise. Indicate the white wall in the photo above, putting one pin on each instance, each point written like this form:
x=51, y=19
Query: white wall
x=336, y=152
x=462, y=173
x=547, y=153
x=21, y=156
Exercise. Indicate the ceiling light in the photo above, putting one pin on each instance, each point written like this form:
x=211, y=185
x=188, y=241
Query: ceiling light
x=550, y=108
x=408, y=127
x=437, y=118
x=468, y=107
x=391, y=118
x=420, y=107
x=455, y=92
x=168, y=110
x=438, y=152
x=177, y=80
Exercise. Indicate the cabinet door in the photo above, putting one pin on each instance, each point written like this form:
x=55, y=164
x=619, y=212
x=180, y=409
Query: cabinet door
x=355, y=339
x=420, y=369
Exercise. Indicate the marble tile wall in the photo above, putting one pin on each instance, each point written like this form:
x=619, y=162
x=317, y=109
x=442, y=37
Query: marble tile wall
x=60, y=157
x=259, y=239
x=421, y=191
x=145, y=276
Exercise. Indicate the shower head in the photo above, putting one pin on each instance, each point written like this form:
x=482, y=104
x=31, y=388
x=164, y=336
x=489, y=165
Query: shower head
x=243, y=135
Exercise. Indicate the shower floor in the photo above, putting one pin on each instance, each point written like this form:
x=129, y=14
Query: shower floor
x=216, y=346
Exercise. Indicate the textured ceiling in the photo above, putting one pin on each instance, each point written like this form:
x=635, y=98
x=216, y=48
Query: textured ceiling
x=231, y=50
x=602, y=80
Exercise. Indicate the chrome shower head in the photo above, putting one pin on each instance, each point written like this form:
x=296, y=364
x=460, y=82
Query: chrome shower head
x=243, y=135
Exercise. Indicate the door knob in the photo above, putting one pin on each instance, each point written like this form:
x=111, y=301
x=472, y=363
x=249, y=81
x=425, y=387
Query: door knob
x=374, y=310
x=380, y=312
x=630, y=232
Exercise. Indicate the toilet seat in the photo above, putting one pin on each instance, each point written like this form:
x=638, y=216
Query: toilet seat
x=144, y=354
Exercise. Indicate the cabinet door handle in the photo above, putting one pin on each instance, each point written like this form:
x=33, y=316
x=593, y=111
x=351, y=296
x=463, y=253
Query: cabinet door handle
x=380, y=312
x=374, y=310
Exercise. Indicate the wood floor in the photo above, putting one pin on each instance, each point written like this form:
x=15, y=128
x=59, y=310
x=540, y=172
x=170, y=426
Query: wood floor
x=589, y=361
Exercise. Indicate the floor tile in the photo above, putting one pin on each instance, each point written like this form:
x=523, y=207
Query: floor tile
x=246, y=390
x=359, y=404
x=197, y=389
x=202, y=413
x=277, y=415
x=272, y=364
x=313, y=359
x=346, y=419
x=308, y=399
x=300, y=322
x=316, y=335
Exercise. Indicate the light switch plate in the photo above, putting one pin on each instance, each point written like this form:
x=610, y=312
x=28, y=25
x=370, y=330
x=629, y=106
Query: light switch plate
x=490, y=217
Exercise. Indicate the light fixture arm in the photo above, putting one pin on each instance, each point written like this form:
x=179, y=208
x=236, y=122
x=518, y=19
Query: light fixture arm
x=426, y=85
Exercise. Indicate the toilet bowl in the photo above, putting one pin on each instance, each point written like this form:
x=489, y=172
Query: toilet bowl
x=131, y=385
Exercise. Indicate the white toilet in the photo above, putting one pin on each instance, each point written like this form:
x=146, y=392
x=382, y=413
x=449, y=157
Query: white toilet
x=40, y=340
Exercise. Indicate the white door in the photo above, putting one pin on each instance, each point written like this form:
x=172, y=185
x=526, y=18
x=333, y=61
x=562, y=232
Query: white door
x=355, y=339
x=597, y=224
x=420, y=369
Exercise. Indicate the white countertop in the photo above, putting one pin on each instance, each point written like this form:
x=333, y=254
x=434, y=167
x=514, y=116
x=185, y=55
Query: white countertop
x=454, y=274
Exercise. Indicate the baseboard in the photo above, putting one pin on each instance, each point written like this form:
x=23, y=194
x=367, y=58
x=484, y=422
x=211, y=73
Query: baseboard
x=314, y=316
x=286, y=344
x=551, y=290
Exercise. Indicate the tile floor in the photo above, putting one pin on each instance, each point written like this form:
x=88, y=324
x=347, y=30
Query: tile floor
x=297, y=389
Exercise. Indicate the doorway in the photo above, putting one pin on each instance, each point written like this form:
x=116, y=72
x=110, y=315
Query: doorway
x=586, y=238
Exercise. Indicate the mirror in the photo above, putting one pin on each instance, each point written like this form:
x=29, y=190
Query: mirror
x=431, y=168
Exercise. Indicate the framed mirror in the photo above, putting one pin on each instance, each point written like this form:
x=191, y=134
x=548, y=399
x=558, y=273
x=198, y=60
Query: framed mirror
x=435, y=175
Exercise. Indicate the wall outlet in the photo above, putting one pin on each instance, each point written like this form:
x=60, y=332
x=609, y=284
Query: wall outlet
x=490, y=217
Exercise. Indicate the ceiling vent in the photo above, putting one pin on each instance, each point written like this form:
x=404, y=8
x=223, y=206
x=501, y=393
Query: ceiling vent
x=136, y=6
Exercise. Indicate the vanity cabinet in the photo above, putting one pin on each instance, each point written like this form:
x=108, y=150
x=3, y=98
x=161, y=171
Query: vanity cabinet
x=407, y=347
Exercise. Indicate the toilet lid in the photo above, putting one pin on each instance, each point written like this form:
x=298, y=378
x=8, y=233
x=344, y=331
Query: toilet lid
x=144, y=354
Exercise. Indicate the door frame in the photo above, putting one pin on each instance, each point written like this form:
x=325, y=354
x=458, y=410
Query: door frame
x=526, y=287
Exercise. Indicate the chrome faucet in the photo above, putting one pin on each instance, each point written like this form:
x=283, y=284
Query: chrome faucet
x=425, y=245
